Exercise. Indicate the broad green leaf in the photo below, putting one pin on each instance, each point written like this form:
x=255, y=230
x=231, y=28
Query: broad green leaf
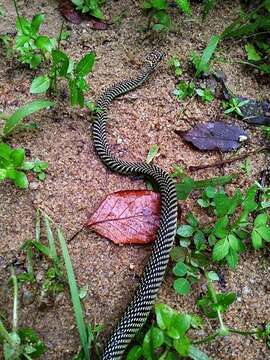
x=192, y=220
x=61, y=62
x=181, y=323
x=181, y=286
x=37, y=20
x=264, y=232
x=213, y=276
x=3, y=174
x=180, y=269
x=196, y=354
x=220, y=228
x=17, y=157
x=184, y=5
x=207, y=54
x=234, y=242
x=220, y=249
x=85, y=65
x=40, y=84
x=16, y=118
x=135, y=353
x=261, y=219
x=185, y=230
x=232, y=258
x=256, y=239
x=21, y=180
x=164, y=315
x=44, y=43
x=5, y=151
x=159, y=4
x=182, y=345
x=252, y=53
x=152, y=153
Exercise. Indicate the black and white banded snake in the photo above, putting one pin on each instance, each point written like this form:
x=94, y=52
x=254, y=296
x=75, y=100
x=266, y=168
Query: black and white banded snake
x=138, y=310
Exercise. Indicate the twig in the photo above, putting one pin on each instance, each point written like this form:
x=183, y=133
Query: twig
x=227, y=161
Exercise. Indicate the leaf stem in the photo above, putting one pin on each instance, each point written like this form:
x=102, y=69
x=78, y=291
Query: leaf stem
x=18, y=15
x=15, y=300
x=4, y=334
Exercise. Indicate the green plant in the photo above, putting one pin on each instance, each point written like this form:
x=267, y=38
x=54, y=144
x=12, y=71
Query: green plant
x=14, y=122
x=74, y=74
x=234, y=106
x=14, y=167
x=205, y=94
x=90, y=6
x=184, y=90
x=202, y=63
x=19, y=343
x=158, y=18
x=175, y=65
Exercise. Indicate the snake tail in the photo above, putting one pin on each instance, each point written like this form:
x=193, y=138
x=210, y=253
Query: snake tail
x=138, y=310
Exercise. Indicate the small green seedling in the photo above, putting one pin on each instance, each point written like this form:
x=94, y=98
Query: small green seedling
x=14, y=122
x=19, y=343
x=184, y=90
x=202, y=63
x=234, y=106
x=175, y=64
x=91, y=7
x=152, y=153
x=205, y=94
x=37, y=167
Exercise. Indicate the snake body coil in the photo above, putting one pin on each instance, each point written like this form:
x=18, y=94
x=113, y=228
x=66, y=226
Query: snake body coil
x=138, y=310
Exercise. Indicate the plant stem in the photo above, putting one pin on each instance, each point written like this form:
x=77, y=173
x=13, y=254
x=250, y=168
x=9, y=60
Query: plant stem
x=212, y=291
x=15, y=301
x=242, y=332
x=18, y=15
x=206, y=339
x=4, y=334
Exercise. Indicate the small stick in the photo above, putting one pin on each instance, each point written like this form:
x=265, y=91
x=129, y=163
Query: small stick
x=227, y=161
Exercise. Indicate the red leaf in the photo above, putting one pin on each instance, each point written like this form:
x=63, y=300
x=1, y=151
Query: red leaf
x=128, y=217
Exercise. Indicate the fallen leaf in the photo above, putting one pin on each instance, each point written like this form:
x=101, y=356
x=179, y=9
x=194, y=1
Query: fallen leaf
x=216, y=136
x=127, y=217
x=67, y=10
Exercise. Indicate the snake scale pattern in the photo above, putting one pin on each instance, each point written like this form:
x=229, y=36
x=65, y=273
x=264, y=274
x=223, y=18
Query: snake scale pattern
x=138, y=310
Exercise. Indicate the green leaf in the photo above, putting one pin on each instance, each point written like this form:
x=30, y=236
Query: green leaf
x=17, y=156
x=44, y=43
x=184, y=5
x=16, y=118
x=35, y=347
x=135, y=353
x=3, y=174
x=152, y=153
x=185, y=230
x=5, y=151
x=220, y=229
x=221, y=249
x=213, y=276
x=181, y=286
x=164, y=315
x=207, y=54
x=153, y=339
x=261, y=219
x=232, y=258
x=60, y=62
x=21, y=180
x=252, y=54
x=264, y=232
x=50, y=238
x=181, y=323
x=40, y=84
x=197, y=354
x=180, y=269
x=73, y=92
x=37, y=20
x=192, y=220
x=256, y=239
x=74, y=296
x=85, y=65
x=182, y=345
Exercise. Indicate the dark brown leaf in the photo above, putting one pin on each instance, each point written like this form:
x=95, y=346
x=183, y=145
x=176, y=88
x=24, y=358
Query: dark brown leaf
x=216, y=136
x=128, y=217
x=67, y=10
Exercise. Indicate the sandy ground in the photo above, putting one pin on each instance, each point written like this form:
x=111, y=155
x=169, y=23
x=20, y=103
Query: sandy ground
x=77, y=181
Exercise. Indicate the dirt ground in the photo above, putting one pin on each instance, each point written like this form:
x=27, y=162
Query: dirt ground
x=77, y=182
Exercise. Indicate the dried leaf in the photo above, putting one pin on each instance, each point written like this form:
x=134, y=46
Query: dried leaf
x=127, y=217
x=216, y=136
x=67, y=10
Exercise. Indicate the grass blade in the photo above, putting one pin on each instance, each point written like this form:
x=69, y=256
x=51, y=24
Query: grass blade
x=207, y=54
x=74, y=295
x=53, y=253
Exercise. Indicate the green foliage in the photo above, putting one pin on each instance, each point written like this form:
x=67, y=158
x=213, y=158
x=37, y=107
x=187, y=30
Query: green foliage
x=233, y=106
x=202, y=63
x=255, y=27
x=184, y=5
x=11, y=164
x=184, y=90
x=14, y=121
x=205, y=94
x=152, y=153
x=73, y=73
x=19, y=343
x=158, y=18
x=92, y=7
x=167, y=337
x=175, y=65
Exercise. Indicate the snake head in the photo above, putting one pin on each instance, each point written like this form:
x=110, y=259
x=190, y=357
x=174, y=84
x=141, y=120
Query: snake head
x=154, y=58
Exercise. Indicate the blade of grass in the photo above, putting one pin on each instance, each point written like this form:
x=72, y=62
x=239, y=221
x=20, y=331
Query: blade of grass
x=37, y=228
x=50, y=239
x=207, y=54
x=74, y=296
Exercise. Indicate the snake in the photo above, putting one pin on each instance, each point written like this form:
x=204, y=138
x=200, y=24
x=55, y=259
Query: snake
x=140, y=306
